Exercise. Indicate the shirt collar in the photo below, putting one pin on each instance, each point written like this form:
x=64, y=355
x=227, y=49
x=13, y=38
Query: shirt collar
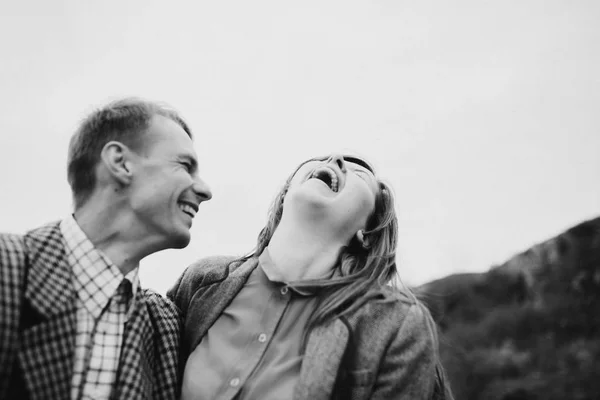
x=269, y=272
x=96, y=277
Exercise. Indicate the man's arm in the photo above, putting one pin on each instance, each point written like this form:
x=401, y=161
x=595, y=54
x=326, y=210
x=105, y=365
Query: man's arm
x=12, y=286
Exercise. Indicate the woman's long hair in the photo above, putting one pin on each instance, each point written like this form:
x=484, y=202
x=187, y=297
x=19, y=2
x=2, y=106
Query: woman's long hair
x=361, y=271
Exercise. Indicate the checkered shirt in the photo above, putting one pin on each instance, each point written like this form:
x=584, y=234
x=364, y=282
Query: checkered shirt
x=105, y=298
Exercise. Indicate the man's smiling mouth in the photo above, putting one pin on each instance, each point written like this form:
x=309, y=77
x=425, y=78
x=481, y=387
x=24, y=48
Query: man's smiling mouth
x=188, y=208
x=328, y=176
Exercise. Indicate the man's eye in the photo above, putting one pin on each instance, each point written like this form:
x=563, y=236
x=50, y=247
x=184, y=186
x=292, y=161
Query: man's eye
x=187, y=166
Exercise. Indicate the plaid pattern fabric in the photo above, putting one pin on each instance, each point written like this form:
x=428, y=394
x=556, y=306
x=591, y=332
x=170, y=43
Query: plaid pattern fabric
x=12, y=262
x=148, y=365
x=157, y=353
x=102, y=305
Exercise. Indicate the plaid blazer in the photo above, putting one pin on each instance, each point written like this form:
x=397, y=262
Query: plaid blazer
x=385, y=350
x=38, y=327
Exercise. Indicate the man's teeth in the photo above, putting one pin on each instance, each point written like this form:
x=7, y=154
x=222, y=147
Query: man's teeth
x=187, y=209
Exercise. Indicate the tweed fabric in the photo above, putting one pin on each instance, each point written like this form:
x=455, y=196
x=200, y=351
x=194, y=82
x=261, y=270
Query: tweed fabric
x=42, y=367
x=387, y=349
x=12, y=276
x=254, y=350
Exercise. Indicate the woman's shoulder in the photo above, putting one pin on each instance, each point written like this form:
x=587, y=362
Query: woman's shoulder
x=395, y=307
x=208, y=266
x=203, y=272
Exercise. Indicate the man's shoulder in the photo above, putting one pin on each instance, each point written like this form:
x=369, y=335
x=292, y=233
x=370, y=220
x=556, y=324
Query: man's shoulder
x=13, y=248
x=161, y=310
x=11, y=243
x=41, y=232
x=32, y=242
x=13, y=259
x=159, y=303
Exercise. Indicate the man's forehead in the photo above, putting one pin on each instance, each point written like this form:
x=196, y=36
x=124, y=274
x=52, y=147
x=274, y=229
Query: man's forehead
x=166, y=131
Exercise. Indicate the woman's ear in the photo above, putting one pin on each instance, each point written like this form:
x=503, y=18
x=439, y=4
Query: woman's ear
x=362, y=239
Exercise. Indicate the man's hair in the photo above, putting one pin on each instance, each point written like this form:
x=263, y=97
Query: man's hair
x=126, y=121
x=361, y=271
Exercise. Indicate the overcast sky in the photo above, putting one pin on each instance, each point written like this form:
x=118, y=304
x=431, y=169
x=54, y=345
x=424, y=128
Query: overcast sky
x=483, y=115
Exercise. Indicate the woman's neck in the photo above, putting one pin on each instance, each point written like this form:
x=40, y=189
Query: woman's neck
x=303, y=253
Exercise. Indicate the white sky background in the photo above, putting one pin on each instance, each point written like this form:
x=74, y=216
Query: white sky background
x=483, y=115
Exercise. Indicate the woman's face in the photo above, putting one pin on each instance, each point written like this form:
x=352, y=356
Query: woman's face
x=340, y=190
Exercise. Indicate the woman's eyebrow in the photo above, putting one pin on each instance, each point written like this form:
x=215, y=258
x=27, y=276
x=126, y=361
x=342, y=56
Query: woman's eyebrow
x=360, y=162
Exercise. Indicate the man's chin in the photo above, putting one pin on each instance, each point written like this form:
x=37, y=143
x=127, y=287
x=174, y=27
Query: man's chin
x=180, y=240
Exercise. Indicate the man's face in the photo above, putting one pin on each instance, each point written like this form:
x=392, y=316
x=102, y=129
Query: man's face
x=166, y=189
x=337, y=191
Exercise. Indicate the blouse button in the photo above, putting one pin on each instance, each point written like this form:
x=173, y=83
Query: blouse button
x=234, y=382
x=284, y=290
x=262, y=338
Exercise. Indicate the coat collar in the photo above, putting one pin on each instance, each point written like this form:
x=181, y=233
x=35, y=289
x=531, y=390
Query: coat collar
x=50, y=296
x=49, y=284
x=50, y=302
x=324, y=350
x=201, y=317
x=137, y=355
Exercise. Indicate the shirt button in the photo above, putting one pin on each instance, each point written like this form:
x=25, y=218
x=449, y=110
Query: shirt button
x=284, y=290
x=234, y=382
x=262, y=338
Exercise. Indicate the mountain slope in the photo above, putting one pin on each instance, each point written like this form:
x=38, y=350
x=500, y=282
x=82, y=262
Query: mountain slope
x=526, y=329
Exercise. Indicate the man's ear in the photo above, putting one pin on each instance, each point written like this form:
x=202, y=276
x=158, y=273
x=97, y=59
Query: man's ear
x=116, y=158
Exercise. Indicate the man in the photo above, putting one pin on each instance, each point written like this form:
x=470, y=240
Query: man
x=74, y=322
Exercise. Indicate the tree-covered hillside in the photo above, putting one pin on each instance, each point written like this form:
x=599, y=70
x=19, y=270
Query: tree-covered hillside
x=527, y=329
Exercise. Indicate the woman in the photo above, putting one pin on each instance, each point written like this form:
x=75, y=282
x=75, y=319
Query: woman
x=312, y=312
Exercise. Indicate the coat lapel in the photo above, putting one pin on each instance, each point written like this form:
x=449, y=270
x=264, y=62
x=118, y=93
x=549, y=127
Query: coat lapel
x=48, y=338
x=136, y=363
x=324, y=352
x=208, y=304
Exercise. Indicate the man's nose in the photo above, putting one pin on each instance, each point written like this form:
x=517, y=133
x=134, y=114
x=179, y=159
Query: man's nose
x=338, y=159
x=201, y=189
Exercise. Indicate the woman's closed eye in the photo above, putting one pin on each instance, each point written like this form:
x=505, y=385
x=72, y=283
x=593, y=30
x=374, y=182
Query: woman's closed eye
x=362, y=174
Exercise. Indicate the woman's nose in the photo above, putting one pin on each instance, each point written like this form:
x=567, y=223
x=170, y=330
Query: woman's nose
x=339, y=160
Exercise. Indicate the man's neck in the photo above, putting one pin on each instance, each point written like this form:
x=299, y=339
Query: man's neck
x=302, y=253
x=114, y=232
